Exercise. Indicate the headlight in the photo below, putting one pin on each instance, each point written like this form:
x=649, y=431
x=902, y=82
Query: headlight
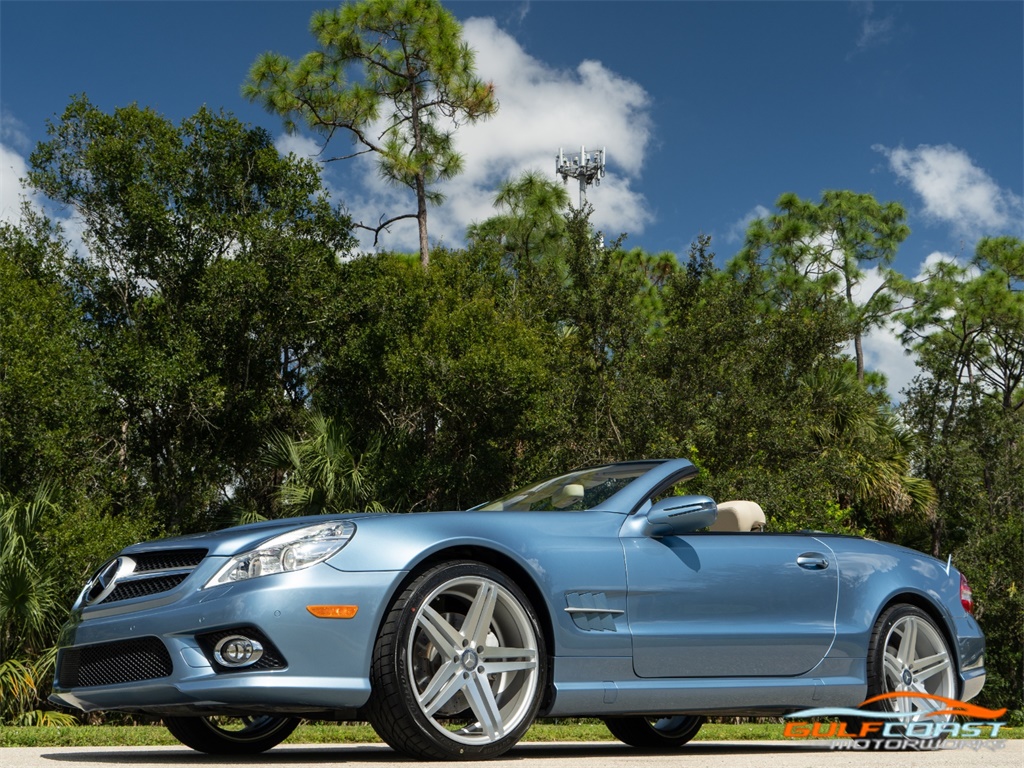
x=290, y=551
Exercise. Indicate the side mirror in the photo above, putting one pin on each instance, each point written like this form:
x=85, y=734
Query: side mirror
x=680, y=514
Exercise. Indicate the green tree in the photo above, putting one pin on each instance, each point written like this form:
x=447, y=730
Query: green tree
x=971, y=318
x=530, y=225
x=999, y=293
x=31, y=607
x=405, y=58
x=819, y=249
x=735, y=398
x=445, y=366
x=529, y=235
x=967, y=327
x=867, y=451
x=760, y=390
x=972, y=451
x=209, y=259
x=655, y=270
x=323, y=473
x=597, y=307
x=49, y=402
x=29, y=599
x=58, y=463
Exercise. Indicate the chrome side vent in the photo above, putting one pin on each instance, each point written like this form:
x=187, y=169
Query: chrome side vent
x=589, y=610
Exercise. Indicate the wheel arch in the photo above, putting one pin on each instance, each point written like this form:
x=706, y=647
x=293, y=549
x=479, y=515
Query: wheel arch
x=934, y=613
x=507, y=565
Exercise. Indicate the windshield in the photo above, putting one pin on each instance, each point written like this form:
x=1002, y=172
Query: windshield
x=579, y=490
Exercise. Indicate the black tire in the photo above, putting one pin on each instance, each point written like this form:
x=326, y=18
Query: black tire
x=665, y=732
x=231, y=735
x=908, y=653
x=459, y=667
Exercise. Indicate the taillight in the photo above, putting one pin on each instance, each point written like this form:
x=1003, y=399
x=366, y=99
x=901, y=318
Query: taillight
x=966, y=596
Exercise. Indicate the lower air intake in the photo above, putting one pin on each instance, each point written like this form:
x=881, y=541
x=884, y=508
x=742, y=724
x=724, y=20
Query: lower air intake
x=126, y=661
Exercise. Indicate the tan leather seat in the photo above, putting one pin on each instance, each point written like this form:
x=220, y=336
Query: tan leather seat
x=739, y=516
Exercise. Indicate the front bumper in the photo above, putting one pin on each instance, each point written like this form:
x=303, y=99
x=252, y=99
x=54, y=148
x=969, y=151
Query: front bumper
x=323, y=664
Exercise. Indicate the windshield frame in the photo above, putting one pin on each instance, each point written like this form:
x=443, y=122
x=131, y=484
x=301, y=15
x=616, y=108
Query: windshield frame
x=563, y=493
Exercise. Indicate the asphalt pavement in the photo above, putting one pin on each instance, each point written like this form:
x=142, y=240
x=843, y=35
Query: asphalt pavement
x=703, y=754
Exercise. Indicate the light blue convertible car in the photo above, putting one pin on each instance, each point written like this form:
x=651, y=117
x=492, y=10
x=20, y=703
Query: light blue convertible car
x=596, y=593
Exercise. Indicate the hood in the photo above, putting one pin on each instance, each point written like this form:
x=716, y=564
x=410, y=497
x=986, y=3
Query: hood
x=232, y=541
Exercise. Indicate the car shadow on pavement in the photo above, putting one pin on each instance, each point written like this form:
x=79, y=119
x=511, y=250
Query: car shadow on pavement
x=378, y=753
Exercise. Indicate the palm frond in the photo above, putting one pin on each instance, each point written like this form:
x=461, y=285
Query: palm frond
x=323, y=470
x=46, y=718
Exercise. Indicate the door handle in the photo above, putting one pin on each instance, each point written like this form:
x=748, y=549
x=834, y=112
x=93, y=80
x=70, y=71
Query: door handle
x=812, y=561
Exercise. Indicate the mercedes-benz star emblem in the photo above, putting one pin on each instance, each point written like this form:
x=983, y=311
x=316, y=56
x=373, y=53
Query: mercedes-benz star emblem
x=102, y=584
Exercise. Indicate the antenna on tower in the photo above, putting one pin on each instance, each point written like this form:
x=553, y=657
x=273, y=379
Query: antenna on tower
x=587, y=167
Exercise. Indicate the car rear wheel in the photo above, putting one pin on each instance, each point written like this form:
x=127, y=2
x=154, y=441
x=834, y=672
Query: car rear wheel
x=667, y=732
x=231, y=735
x=459, y=667
x=909, y=656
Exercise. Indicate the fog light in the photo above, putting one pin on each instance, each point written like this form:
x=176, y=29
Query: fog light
x=237, y=651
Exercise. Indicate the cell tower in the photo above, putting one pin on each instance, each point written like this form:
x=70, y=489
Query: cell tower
x=588, y=168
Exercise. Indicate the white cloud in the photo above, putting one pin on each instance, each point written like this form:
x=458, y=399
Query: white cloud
x=14, y=146
x=935, y=258
x=296, y=144
x=956, y=191
x=519, y=14
x=12, y=170
x=541, y=110
x=874, y=30
x=883, y=350
x=738, y=230
x=13, y=133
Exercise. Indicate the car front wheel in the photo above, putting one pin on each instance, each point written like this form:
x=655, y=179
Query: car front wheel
x=459, y=667
x=667, y=732
x=231, y=735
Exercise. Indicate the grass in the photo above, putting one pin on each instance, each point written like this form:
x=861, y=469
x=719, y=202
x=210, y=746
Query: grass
x=353, y=733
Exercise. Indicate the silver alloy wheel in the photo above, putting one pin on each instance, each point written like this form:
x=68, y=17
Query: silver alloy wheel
x=240, y=727
x=218, y=735
x=672, y=726
x=661, y=732
x=472, y=656
x=916, y=660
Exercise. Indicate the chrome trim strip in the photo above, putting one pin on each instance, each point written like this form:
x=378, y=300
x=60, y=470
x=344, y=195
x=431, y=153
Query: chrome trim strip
x=146, y=575
x=612, y=611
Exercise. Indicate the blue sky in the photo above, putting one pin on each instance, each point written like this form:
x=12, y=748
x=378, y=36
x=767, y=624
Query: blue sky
x=709, y=110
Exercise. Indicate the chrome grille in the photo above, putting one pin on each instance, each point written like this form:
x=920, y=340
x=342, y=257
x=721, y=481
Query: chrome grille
x=171, y=559
x=126, y=590
x=140, y=574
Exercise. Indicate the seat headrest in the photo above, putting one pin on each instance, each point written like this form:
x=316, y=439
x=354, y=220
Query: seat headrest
x=739, y=516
